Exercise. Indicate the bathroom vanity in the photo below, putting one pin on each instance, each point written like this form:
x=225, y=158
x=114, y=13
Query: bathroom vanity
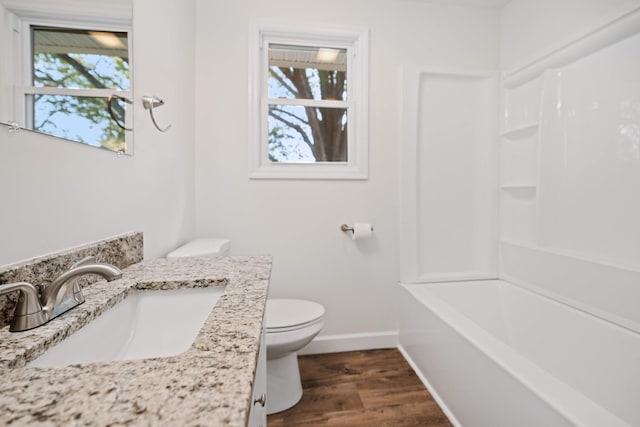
x=215, y=382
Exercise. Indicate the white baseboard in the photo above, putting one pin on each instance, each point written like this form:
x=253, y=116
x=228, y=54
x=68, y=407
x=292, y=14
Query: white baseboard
x=351, y=342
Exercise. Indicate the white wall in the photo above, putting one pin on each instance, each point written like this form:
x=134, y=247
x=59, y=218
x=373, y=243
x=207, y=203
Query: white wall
x=58, y=194
x=298, y=221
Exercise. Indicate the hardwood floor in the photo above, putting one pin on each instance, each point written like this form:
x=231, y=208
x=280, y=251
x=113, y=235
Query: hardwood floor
x=361, y=388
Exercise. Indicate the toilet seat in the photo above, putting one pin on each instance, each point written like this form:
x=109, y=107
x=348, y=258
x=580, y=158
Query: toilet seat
x=285, y=315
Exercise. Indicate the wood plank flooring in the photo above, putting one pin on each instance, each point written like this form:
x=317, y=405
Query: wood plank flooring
x=362, y=388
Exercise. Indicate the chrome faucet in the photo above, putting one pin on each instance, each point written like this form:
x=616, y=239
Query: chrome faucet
x=61, y=295
x=64, y=292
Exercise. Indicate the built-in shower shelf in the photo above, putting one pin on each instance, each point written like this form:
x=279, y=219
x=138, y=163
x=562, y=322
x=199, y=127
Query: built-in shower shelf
x=519, y=132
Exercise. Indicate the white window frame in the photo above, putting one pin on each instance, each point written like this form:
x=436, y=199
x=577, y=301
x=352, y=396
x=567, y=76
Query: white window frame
x=356, y=42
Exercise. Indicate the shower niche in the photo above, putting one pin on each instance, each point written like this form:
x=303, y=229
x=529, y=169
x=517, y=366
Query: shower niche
x=449, y=176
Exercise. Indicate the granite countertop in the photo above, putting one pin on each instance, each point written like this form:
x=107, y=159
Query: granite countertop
x=210, y=384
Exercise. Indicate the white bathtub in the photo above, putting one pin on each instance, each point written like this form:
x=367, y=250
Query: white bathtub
x=494, y=354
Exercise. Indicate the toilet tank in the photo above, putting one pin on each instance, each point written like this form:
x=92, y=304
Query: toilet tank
x=202, y=247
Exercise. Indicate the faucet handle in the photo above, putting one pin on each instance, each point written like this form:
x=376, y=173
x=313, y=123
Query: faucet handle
x=28, y=313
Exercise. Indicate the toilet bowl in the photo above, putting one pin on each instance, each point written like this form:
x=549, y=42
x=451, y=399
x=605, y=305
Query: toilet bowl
x=291, y=325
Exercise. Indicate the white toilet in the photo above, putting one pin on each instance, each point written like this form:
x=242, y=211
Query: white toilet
x=290, y=325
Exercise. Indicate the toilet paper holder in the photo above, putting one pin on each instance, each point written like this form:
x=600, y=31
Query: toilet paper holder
x=345, y=228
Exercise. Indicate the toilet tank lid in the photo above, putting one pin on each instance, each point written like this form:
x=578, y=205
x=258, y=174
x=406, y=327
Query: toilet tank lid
x=283, y=313
x=202, y=247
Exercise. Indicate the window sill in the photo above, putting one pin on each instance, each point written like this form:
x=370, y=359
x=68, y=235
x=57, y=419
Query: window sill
x=309, y=171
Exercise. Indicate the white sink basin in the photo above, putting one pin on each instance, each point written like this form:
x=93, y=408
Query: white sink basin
x=146, y=324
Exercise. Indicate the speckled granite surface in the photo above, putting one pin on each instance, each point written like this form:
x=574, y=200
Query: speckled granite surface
x=209, y=385
x=121, y=251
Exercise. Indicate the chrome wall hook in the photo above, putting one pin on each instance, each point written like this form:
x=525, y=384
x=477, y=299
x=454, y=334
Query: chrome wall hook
x=149, y=103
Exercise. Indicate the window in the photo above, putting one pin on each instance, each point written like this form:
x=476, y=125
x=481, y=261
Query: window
x=76, y=83
x=309, y=104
